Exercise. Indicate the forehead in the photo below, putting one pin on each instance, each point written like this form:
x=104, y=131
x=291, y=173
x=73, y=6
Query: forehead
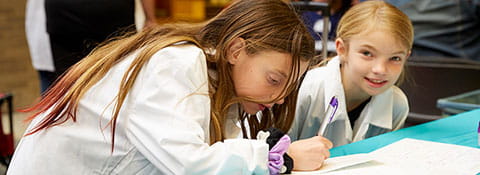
x=273, y=58
x=378, y=39
x=278, y=62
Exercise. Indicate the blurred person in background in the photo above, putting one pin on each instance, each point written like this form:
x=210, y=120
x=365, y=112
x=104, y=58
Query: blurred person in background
x=60, y=33
x=444, y=28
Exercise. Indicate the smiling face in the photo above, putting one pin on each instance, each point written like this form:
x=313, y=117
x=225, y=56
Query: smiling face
x=371, y=63
x=262, y=76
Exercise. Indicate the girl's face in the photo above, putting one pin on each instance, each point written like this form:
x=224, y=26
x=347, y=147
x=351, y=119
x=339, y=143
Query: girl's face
x=261, y=76
x=372, y=62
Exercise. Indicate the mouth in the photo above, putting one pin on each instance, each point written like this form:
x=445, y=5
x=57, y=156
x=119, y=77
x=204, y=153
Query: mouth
x=261, y=107
x=376, y=83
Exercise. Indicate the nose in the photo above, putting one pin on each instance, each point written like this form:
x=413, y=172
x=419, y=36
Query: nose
x=379, y=67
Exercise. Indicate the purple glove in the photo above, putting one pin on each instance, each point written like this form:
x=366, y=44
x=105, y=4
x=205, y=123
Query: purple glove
x=275, y=155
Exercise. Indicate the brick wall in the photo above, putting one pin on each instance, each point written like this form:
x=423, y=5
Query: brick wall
x=16, y=72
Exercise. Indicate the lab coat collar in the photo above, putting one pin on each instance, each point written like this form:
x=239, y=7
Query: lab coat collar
x=334, y=87
x=377, y=112
x=380, y=109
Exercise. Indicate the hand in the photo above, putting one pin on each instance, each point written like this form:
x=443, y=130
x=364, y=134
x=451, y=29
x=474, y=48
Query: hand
x=309, y=154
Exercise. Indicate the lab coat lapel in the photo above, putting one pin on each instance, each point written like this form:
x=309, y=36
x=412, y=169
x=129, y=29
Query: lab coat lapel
x=377, y=112
x=334, y=87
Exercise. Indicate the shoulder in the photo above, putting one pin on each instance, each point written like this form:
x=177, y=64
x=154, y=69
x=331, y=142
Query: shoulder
x=315, y=76
x=182, y=55
x=184, y=63
x=312, y=85
x=328, y=73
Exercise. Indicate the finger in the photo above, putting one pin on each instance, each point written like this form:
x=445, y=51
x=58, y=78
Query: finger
x=326, y=153
x=329, y=144
x=325, y=141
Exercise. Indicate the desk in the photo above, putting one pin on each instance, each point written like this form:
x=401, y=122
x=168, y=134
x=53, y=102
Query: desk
x=459, y=129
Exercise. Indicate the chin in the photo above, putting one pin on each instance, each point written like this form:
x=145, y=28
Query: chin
x=373, y=92
x=249, y=110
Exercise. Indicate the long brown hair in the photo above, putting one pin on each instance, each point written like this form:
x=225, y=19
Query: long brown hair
x=263, y=24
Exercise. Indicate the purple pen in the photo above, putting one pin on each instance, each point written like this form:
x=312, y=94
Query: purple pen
x=334, y=103
x=478, y=132
x=330, y=114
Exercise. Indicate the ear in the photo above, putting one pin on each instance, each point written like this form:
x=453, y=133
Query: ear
x=234, y=49
x=340, y=47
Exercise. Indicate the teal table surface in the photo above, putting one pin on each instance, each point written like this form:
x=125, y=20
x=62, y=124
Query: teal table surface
x=460, y=129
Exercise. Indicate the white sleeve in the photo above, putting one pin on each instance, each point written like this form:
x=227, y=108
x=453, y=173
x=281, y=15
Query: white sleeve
x=170, y=121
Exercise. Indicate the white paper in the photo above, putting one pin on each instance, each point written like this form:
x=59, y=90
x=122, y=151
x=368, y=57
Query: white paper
x=410, y=156
x=430, y=157
x=338, y=163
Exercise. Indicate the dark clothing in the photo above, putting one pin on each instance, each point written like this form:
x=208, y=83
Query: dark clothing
x=77, y=26
x=354, y=114
x=46, y=79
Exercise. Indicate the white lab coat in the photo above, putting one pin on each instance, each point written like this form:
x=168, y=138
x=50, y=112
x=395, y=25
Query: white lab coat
x=385, y=112
x=163, y=127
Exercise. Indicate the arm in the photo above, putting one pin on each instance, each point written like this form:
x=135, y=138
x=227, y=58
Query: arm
x=171, y=120
x=149, y=10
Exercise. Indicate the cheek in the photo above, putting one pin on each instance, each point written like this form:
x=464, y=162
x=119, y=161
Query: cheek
x=396, y=72
x=250, y=85
x=356, y=69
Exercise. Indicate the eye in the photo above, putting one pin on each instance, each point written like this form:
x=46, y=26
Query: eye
x=367, y=53
x=273, y=81
x=396, y=58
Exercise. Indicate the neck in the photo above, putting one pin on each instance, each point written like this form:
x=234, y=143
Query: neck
x=354, y=99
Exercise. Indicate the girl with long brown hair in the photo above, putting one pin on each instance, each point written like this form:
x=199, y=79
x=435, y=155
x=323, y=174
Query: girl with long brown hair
x=170, y=100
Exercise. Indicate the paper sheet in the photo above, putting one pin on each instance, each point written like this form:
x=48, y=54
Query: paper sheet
x=338, y=163
x=430, y=157
x=410, y=156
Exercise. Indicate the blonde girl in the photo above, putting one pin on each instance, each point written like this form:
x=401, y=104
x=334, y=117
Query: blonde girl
x=373, y=43
x=168, y=100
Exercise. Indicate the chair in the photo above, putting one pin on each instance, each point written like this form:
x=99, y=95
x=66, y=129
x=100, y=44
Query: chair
x=432, y=78
x=6, y=140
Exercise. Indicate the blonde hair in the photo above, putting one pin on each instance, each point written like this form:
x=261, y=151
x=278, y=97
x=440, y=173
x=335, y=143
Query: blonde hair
x=376, y=15
x=263, y=24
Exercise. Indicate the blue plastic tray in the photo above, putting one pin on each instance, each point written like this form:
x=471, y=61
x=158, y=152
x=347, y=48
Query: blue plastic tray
x=460, y=103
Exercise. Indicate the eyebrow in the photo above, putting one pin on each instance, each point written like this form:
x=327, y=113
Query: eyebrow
x=282, y=73
x=370, y=47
